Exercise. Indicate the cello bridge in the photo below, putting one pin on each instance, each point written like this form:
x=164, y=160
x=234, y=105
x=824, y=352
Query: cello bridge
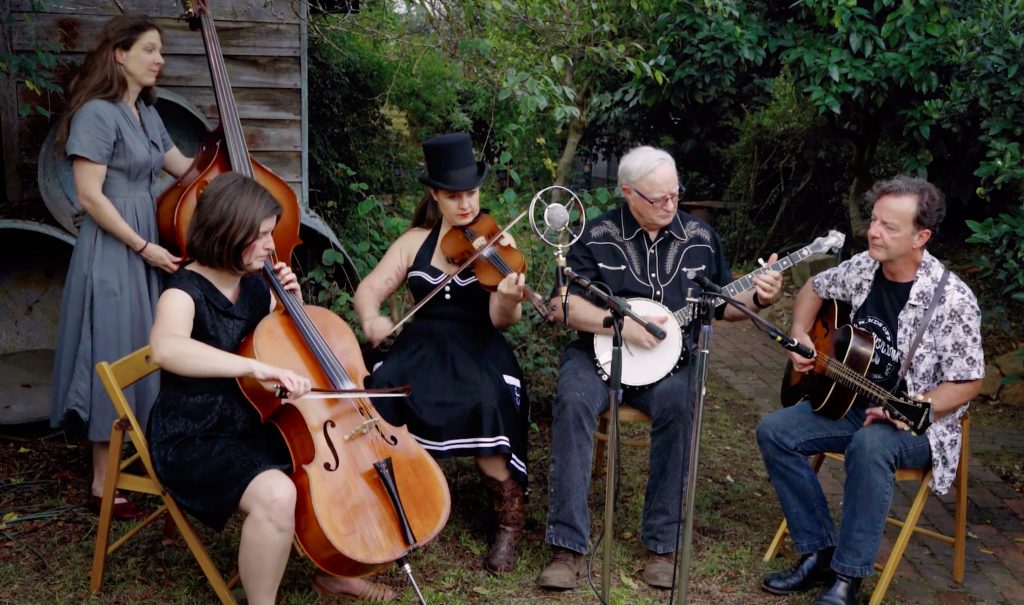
x=362, y=429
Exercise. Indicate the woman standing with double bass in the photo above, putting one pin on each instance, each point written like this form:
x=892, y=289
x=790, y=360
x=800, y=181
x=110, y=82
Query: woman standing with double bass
x=468, y=397
x=117, y=145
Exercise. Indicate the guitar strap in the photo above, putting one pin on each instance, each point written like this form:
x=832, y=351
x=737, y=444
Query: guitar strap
x=936, y=295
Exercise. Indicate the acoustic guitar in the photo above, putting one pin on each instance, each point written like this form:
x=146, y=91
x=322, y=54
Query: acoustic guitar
x=844, y=354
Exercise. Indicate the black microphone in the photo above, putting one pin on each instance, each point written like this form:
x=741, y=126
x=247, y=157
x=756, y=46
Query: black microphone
x=706, y=284
x=563, y=284
x=791, y=344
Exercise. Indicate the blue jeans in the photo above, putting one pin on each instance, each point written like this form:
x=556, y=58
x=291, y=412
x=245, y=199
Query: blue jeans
x=582, y=396
x=787, y=437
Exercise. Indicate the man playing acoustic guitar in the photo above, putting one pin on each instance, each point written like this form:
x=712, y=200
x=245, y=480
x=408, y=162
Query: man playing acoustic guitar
x=890, y=288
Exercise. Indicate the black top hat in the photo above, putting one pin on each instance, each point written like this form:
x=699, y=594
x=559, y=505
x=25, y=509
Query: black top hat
x=450, y=164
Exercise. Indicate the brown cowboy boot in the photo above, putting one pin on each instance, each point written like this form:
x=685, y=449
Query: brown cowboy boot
x=507, y=499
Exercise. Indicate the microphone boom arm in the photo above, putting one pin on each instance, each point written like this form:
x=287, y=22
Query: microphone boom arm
x=774, y=332
x=616, y=304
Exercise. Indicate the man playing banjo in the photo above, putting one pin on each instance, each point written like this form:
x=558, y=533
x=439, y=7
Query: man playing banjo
x=649, y=248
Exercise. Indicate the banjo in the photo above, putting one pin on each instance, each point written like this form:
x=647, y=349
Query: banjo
x=641, y=367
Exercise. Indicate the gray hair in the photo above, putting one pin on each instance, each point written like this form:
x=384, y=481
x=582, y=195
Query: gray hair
x=640, y=162
x=931, y=204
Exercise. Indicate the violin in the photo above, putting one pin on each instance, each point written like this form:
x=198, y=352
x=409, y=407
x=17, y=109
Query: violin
x=491, y=265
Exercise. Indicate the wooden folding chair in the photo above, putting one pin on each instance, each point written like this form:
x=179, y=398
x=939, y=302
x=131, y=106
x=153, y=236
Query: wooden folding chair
x=627, y=415
x=115, y=377
x=908, y=526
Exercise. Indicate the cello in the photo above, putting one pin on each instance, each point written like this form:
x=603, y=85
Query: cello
x=351, y=469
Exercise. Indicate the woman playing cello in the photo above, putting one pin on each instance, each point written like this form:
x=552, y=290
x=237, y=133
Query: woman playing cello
x=467, y=397
x=209, y=447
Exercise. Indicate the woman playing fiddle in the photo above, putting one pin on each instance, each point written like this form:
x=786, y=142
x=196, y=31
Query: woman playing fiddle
x=467, y=397
x=117, y=145
x=209, y=447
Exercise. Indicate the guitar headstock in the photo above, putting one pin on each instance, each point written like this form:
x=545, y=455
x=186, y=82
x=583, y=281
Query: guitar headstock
x=913, y=413
x=828, y=243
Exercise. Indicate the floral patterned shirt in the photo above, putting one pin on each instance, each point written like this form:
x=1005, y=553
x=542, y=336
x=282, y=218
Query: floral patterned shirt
x=950, y=349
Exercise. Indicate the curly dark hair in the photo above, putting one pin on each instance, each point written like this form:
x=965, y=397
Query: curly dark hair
x=931, y=204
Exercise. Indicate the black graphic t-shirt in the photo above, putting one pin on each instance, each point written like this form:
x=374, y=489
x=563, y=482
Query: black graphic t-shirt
x=879, y=315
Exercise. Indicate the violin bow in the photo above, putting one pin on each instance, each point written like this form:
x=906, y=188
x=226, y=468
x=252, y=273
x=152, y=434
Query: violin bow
x=450, y=276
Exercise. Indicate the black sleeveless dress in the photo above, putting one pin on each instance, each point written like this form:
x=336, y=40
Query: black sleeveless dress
x=468, y=396
x=206, y=440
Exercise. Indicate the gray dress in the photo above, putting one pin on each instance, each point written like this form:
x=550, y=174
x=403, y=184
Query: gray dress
x=110, y=293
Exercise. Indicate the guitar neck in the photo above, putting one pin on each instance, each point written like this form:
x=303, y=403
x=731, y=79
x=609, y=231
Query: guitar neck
x=848, y=378
x=913, y=413
x=230, y=122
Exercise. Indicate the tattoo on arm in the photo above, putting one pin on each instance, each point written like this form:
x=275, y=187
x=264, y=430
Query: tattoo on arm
x=393, y=281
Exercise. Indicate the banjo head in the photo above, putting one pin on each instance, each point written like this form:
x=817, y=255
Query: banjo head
x=641, y=367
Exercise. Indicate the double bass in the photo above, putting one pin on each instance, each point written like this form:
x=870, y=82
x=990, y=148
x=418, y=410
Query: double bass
x=368, y=493
x=224, y=150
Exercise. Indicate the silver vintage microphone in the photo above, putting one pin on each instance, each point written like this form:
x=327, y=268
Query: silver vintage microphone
x=556, y=227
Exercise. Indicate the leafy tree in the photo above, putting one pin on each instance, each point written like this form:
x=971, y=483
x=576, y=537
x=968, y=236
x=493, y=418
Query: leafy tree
x=35, y=70
x=867, y=69
x=782, y=165
x=988, y=86
x=712, y=55
x=557, y=61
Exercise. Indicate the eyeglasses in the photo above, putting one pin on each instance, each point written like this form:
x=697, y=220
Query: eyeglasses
x=661, y=201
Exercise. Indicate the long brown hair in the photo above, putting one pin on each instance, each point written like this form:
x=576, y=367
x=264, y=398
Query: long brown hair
x=227, y=219
x=100, y=76
x=426, y=213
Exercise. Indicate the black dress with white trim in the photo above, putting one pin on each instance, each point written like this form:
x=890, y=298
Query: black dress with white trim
x=468, y=395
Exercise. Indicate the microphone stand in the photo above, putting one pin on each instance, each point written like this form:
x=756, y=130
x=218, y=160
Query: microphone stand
x=698, y=381
x=698, y=384
x=620, y=309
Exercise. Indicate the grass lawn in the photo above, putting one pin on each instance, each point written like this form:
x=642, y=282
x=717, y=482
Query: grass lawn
x=47, y=559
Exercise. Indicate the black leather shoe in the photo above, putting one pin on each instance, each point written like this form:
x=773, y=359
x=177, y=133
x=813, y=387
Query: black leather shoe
x=843, y=591
x=812, y=570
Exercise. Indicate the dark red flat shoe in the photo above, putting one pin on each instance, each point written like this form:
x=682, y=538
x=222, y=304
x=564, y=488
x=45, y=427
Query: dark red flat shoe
x=124, y=509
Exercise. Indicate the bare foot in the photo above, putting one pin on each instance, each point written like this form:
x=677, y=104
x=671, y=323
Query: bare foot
x=362, y=590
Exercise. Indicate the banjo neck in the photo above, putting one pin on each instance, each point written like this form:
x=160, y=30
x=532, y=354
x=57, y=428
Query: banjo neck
x=687, y=313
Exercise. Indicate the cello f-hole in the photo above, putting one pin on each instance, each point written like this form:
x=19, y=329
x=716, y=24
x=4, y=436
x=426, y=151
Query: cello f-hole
x=330, y=424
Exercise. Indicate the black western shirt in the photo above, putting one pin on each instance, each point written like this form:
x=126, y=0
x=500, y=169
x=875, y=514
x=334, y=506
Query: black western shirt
x=616, y=251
